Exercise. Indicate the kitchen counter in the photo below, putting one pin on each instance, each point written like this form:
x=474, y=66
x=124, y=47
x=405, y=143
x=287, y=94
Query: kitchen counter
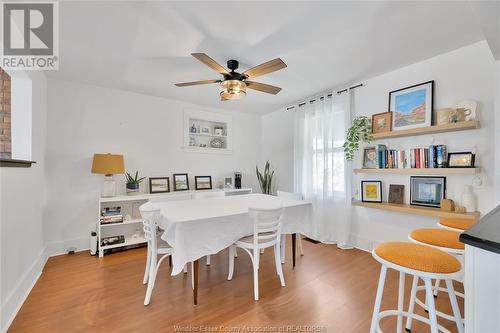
x=486, y=233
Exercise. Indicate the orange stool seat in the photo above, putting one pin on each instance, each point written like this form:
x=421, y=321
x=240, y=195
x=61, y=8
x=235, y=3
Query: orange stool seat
x=438, y=237
x=460, y=224
x=418, y=257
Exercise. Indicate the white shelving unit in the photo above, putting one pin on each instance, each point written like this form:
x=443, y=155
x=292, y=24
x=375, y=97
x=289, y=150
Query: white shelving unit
x=132, y=228
x=219, y=138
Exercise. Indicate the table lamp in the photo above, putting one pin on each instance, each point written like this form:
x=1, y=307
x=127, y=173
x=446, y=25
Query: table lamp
x=108, y=165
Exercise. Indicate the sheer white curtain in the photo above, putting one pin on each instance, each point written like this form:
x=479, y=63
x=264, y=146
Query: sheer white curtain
x=321, y=173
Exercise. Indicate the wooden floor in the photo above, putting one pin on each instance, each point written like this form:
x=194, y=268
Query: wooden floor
x=329, y=288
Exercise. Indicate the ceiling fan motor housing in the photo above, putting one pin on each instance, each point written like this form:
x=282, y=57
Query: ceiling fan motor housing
x=232, y=64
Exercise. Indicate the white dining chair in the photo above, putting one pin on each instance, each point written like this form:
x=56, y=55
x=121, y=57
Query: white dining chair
x=161, y=243
x=294, y=196
x=150, y=215
x=266, y=233
x=200, y=194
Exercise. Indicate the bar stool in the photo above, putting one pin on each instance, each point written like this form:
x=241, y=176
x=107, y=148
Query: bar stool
x=455, y=224
x=447, y=241
x=422, y=262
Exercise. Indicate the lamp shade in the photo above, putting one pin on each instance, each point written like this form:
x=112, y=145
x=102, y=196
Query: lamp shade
x=108, y=164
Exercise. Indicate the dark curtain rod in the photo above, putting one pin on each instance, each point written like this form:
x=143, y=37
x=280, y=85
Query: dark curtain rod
x=329, y=95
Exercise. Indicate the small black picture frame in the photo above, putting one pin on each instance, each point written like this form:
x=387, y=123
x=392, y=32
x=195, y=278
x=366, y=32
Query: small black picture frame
x=159, y=185
x=203, y=183
x=181, y=182
x=467, y=160
x=365, y=197
x=420, y=196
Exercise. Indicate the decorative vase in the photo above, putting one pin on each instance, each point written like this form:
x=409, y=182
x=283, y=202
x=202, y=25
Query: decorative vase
x=132, y=188
x=469, y=199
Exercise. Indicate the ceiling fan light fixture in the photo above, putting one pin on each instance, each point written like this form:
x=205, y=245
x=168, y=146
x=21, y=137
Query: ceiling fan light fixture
x=233, y=89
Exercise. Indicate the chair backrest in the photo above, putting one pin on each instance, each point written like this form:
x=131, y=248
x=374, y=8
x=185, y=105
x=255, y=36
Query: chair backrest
x=267, y=225
x=170, y=197
x=290, y=195
x=150, y=214
x=212, y=194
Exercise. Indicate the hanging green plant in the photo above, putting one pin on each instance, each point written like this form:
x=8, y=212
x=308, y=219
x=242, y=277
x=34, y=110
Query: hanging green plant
x=361, y=130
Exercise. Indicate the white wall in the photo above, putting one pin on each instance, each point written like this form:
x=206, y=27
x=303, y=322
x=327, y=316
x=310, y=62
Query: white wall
x=497, y=133
x=466, y=73
x=22, y=200
x=85, y=119
x=277, y=146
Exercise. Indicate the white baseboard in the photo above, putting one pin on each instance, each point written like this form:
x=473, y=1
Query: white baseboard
x=18, y=295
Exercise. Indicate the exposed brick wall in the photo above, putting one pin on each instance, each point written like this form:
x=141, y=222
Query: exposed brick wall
x=5, y=116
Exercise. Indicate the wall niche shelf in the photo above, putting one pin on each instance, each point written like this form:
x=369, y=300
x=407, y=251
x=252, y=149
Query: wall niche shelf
x=421, y=171
x=417, y=210
x=461, y=126
x=218, y=136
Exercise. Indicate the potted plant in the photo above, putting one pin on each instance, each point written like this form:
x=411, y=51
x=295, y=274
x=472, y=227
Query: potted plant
x=133, y=183
x=266, y=179
x=360, y=130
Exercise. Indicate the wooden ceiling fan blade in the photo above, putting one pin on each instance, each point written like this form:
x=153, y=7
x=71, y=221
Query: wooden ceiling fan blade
x=195, y=83
x=210, y=62
x=267, y=88
x=265, y=68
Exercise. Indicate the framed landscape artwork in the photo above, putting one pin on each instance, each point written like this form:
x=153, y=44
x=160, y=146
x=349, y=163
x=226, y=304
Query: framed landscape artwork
x=412, y=106
x=427, y=191
x=159, y=185
x=203, y=182
x=181, y=182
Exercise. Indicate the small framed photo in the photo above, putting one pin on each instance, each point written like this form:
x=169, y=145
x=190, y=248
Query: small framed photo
x=427, y=191
x=371, y=191
x=461, y=160
x=382, y=122
x=203, y=182
x=159, y=185
x=396, y=194
x=412, y=106
x=181, y=182
x=205, y=130
x=370, y=158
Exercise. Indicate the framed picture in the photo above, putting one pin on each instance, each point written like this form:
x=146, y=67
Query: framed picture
x=396, y=194
x=382, y=122
x=461, y=160
x=412, y=106
x=159, y=185
x=205, y=130
x=370, y=158
x=181, y=182
x=427, y=191
x=371, y=191
x=203, y=182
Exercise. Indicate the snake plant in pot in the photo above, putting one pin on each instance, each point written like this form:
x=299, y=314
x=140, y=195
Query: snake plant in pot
x=265, y=179
x=360, y=130
x=133, y=183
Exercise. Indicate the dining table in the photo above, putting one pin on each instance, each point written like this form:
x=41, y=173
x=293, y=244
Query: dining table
x=200, y=227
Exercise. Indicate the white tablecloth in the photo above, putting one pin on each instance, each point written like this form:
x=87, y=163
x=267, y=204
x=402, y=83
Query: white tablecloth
x=200, y=227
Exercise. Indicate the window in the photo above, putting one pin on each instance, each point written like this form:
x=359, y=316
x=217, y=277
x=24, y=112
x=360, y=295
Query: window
x=5, y=116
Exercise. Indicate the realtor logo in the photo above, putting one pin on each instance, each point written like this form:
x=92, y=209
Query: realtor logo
x=30, y=35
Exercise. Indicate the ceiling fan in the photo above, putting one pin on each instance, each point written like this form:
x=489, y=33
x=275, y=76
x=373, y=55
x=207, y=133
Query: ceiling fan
x=234, y=84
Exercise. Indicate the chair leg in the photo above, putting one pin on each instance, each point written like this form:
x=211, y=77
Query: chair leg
x=232, y=251
x=277, y=262
x=262, y=251
x=146, y=270
x=299, y=243
x=192, y=274
x=454, y=305
x=436, y=287
x=378, y=299
x=256, y=257
x=283, y=248
x=430, y=305
x=401, y=296
x=411, y=305
x=151, y=279
x=185, y=269
x=208, y=260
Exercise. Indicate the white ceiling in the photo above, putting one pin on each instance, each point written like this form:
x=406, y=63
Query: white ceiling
x=144, y=46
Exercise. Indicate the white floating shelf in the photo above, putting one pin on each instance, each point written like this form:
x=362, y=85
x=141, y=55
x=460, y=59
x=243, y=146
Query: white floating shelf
x=464, y=125
x=421, y=171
